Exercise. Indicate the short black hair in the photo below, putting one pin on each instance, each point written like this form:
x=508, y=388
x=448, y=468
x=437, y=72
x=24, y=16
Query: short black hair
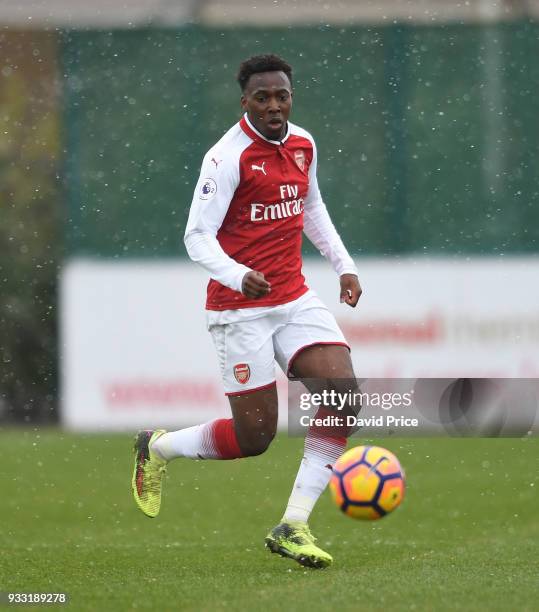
x=262, y=63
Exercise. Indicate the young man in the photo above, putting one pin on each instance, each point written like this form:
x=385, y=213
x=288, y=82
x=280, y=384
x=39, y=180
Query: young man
x=256, y=193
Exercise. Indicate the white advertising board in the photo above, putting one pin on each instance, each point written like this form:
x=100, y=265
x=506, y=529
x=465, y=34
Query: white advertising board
x=136, y=352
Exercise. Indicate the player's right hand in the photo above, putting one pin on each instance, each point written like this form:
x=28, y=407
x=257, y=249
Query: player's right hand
x=254, y=285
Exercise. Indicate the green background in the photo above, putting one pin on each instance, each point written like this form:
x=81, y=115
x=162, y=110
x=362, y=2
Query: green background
x=405, y=120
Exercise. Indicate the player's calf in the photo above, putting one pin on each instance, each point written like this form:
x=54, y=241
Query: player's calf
x=255, y=420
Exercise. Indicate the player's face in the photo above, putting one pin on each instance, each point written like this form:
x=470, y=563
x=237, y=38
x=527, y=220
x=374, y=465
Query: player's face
x=268, y=99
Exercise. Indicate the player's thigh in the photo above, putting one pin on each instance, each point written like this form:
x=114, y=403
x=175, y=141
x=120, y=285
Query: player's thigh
x=323, y=361
x=325, y=367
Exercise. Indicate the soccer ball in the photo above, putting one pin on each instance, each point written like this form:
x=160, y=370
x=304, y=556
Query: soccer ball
x=367, y=482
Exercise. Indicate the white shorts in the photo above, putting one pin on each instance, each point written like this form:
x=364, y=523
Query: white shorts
x=250, y=340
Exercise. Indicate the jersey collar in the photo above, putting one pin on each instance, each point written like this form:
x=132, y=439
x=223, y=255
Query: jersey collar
x=253, y=133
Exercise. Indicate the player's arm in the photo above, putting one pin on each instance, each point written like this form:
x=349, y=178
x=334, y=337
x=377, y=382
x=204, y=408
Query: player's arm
x=213, y=194
x=320, y=230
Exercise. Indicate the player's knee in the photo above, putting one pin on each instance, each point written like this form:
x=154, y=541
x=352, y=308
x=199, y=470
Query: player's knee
x=344, y=385
x=257, y=444
x=348, y=393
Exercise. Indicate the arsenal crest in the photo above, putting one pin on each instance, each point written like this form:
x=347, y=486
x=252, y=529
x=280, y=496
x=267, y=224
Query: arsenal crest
x=299, y=156
x=242, y=373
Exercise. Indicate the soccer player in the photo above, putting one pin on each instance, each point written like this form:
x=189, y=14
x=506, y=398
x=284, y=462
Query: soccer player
x=257, y=192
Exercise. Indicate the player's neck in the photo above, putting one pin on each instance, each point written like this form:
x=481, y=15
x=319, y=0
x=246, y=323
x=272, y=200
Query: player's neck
x=275, y=139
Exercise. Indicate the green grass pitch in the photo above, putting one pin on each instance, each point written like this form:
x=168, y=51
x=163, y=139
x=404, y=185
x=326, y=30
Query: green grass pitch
x=465, y=537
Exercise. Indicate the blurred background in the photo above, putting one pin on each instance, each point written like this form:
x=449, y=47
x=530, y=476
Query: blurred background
x=424, y=112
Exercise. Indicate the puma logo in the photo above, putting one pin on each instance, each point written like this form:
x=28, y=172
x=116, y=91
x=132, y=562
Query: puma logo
x=216, y=162
x=261, y=168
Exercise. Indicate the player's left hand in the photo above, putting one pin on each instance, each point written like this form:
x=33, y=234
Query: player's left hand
x=350, y=289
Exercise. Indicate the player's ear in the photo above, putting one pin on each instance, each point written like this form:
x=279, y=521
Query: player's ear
x=243, y=102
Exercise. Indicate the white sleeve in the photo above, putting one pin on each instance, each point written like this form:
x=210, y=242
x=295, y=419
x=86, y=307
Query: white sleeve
x=219, y=178
x=320, y=230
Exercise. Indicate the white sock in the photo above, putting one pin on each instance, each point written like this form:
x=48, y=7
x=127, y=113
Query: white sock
x=183, y=443
x=213, y=440
x=312, y=479
x=313, y=475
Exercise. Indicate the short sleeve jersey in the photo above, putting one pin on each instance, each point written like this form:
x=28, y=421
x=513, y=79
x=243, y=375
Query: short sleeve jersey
x=251, y=194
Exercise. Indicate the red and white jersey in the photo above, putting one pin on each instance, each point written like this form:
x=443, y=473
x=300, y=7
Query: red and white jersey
x=253, y=199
